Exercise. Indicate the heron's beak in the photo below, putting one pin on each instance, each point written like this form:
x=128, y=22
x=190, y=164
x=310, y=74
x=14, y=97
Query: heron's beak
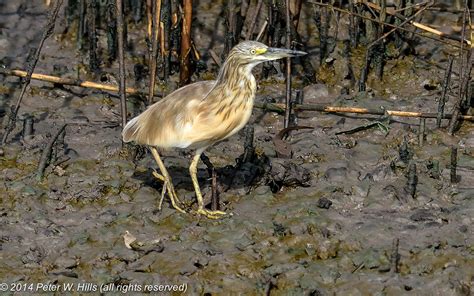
x=278, y=53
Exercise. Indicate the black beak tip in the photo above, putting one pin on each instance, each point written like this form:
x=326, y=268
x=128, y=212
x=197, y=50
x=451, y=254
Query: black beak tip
x=298, y=53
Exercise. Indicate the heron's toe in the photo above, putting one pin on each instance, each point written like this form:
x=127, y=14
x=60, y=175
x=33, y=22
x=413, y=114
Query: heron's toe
x=212, y=214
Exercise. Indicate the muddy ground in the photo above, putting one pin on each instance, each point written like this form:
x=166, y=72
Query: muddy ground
x=321, y=223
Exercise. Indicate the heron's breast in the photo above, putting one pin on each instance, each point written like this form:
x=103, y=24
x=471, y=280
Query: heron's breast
x=224, y=112
x=235, y=116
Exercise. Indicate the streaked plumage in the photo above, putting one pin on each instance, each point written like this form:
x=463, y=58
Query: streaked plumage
x=201, y=114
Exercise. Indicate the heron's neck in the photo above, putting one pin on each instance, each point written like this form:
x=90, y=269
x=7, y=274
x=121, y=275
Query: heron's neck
x=236, y=77
x=234, y=91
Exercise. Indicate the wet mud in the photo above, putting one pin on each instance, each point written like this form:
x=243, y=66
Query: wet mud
x=343, y=216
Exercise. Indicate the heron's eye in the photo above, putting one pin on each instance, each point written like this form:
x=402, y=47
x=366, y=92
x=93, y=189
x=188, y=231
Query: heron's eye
x=252, y=51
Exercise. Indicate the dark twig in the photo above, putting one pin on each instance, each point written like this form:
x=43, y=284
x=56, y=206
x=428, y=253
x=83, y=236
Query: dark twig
x=288, y=67
x=365, y=69
x=215, y=204
x=91, y=26
x=454, y=163
x=246, y=157
x=298, y=100
x=254, y=20
x=137, y=8
x=59, y=146
x=408, y=11
x=111, y=30
x=205, y=159
x=412, y=180
x=28, y=126
x=211, y=170
x=30, y=69
x=383, y=14
x=82, y=24
x=442, y=100
x=353, y=25
x=47, y=153
x=296, y=14
x=321, y=19
x=249, y=148
x=154, y=45
x=166, y=25
x=347, y=54
x=465, y=67
x=395, y=256
x=375, y=123
x=121, y=44
x=175, y=33
x=421, y=131
x=308, y=70
x=380, y=48
x=273, y=35
x=398, y=38
x=371, y=32
x=234, y=23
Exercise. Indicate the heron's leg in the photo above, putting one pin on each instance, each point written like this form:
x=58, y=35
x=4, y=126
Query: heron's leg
x=165, y=177
x=201, y=209
x=163, y=190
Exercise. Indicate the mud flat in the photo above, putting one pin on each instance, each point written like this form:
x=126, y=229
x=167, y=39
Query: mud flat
x=338, y=218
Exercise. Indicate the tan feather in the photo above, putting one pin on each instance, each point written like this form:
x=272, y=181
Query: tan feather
x=163, y=124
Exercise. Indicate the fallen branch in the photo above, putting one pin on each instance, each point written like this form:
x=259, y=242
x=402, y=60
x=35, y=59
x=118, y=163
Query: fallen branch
x=73, y=82
x=280, y=108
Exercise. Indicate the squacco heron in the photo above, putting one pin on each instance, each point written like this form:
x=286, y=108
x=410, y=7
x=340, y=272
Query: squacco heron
x=198, y=115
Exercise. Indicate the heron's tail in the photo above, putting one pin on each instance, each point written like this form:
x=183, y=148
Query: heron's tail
x=130, y=130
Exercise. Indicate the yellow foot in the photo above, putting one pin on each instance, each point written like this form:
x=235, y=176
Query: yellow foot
x=211, y=214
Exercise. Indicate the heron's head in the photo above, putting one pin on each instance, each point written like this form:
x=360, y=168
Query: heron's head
x=253, y=52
